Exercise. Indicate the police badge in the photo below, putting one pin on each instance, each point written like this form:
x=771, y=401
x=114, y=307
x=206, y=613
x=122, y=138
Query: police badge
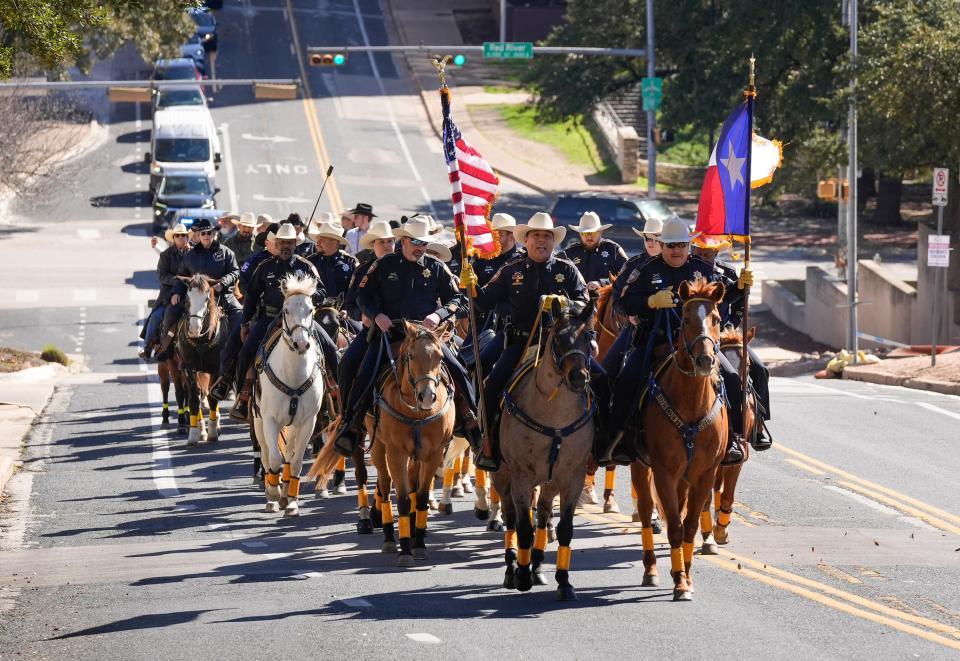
x=517, y=279
x=604, y=254
x=559, y=277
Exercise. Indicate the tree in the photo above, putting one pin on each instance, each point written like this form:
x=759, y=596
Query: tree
x=51, y=35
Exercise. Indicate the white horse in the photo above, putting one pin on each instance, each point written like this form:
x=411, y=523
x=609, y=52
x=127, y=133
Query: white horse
x=288, y=393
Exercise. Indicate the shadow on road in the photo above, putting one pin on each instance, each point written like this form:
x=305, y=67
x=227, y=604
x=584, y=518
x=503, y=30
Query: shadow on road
x=131, y=199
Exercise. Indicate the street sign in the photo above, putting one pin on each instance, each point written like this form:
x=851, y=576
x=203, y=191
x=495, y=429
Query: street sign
x=938, y=250
x=652, y=89
x=941, y=183
x=508, y=50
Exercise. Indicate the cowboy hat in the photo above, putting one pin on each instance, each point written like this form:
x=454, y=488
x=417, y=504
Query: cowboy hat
x=417, y=227
x=179, y=228
x=286, y=231
x=651, y=226
x=246, y=219
x=264, y=219
x=379, y=229
x=327, y=231
x=503, y=221
x=327, y=217
x=201, y=225
x=675, y=230
x=229, y=215
x=590, y=222
x=363, y=209
x=539, y=221
x=441, y=251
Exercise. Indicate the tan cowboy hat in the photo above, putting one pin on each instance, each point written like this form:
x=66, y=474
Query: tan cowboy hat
x=326, y=217
x=417, y=227
x=440, y=251
x=179, y=228
x=379, y=229
x=503, y=221
x=229, y=215
x=327, y=231
x=246, y=219
x=590, y=222
x=168, y=235
x=539, y=221
x=286, y=231
x=652, y=226
x=675, y=230
x=264, y=218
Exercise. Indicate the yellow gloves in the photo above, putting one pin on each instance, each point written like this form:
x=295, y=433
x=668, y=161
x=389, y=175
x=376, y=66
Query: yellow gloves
x=745, y=279
x=662, y=299
x=468, y=278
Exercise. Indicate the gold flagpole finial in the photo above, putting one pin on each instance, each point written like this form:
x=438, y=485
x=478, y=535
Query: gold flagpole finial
x=753, y=62
x=441, y=64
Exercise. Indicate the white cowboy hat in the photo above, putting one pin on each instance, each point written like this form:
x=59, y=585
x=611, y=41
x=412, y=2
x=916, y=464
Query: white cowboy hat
x=232, y=217
x=246, y=219
x=590, y=222
x=179, y=228
x=286, y=231
x=327, y=217
x=379, y=229
x=676, y=231
x=503, y=221
x=539, y=221
x=651, y=226
x=443, y=253
x=327, y=231
x=417, y=227
x=264, y=218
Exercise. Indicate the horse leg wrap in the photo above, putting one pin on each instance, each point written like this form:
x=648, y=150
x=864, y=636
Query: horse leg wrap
x=286, y=473
x=362, y=498
x=609, y=479
x=447, y=480
x=676, y=560
x=166, y=406
x=404, y=525
x=294, y=491
x=273, y=479
x=563, y=558
x=342, y=464
x=386, y=510
x=540, y=539
x=646, y=535
x=193, y=420
x=214, y=412
x=465, y=466
x=456, y=466
x=510, y=539
x=590, y=480
x=523, y=557
x=687, y=554
x=717, y=497
x=633, y=493
x=723, y=517
x=494, y=495
x=706, y=523
x=421, y=519
x=481, y=478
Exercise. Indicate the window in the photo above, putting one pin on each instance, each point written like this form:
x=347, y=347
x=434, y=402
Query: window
x=182, y=150
x=170, y=98
x=185, y=186
x=626, y=213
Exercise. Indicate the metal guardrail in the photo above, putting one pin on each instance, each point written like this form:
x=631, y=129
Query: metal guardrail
x=159, y=84
x=430, y=48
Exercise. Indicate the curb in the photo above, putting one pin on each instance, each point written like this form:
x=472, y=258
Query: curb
x=10, y=458
x=888, y=379
x=796, y=367
x=30, y=374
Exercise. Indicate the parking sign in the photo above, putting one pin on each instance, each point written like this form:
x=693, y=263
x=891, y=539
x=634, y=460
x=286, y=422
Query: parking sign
x=941, y=183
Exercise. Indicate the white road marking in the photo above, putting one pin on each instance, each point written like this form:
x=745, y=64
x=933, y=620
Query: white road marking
x=186, y=507
x=424, y=638
x=281, y=200
x=28, y=296
x=84, y=295
x=276, y=556
x=390, y=116
x=163, y=476
x=89, y=234
x=937, y=409
x=359, y=602
x=228, y=165
x=267, y=138
x=879, y=507
x=138, y=119
x=309, y=574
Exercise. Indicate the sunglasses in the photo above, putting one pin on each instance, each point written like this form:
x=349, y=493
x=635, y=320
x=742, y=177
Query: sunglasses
x=650, y=239
x=418, y=243
x=205, y=232
x=678, y=244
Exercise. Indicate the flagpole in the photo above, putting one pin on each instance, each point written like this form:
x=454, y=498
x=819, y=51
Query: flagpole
x=750, y=93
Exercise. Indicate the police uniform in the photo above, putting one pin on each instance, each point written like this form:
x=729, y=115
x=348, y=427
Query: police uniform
x=167, y=268
x=613, y=360
x=217, y=262
x=350, y=300
x=242, y=246
x=249, y=266
x=305, y=248
x=335, y=271
x=598, y=263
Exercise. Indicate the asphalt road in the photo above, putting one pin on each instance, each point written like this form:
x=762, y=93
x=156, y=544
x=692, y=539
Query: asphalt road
x=118, y=542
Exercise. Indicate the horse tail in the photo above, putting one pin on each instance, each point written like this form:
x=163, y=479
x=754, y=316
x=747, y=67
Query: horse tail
x=326, y=460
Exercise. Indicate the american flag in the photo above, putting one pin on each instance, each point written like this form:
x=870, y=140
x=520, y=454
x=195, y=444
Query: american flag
x=474, y=185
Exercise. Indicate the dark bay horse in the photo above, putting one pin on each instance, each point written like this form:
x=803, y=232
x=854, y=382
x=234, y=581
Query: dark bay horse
x=168, y=371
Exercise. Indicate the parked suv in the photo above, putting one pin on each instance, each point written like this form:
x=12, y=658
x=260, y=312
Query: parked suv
x=621, y=211
x=206, y=28
x=181, y=190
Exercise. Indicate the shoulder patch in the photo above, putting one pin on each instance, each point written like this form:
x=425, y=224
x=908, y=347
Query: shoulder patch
x=634, y=276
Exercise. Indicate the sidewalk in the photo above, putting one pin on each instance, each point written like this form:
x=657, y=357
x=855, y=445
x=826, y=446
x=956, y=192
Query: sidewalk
x=23, y=396
x=912, y=373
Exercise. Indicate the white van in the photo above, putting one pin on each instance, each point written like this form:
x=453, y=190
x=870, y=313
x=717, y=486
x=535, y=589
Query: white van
x=183, y=138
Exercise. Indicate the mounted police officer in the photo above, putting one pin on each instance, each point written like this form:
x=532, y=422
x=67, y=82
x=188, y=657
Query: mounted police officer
x=263, y=304
x=334, y=264
x=406, y=284
x=522, y=281
x=376, y=242
x=241, y=241
x=731, y=312
x=213, y=260
x=650, y=289
x=596, y=258
x=167, y=268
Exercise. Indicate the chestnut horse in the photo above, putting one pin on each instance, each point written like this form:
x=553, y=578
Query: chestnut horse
x=685, y=426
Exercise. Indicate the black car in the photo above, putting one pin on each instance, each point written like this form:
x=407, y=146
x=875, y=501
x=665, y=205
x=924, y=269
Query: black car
x=181, y=190
x=621, y=211
x=213, y=4
x=206, y=31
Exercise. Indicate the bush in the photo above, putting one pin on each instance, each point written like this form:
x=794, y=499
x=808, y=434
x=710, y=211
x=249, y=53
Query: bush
x=52, y=354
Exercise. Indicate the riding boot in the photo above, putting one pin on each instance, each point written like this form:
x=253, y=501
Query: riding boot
x=241, y=408
x=734, y=453
x=613, y=452
x=469, y=425
x=760, y=440
x=487, y=457
x=222, y=387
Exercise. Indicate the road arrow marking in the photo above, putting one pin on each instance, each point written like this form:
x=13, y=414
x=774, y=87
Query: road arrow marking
x=266, y=138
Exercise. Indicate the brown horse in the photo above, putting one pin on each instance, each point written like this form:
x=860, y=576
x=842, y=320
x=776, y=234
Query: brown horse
x=168, y=371
x=685, y=423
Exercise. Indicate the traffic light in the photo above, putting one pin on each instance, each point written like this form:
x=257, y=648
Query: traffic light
x=328, y=59
x=459, y=60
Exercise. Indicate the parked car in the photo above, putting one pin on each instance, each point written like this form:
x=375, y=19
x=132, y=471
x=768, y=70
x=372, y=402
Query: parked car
x=173, y=97
x=194, y=50
x=206, y=30
x=183, y=138
x=181, y=190
x=178, y=68
x=623, y=212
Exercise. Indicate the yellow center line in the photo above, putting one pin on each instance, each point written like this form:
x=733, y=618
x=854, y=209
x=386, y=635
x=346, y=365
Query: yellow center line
x=310, y=110
x=906, y=509
x=806, y=467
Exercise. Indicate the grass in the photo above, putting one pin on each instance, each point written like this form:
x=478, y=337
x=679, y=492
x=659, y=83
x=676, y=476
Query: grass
x=570, y=137
x=52, y=354
x=493, y=89
x=690, y=152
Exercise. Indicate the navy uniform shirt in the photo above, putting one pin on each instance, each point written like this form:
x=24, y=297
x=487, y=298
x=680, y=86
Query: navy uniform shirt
x=241, y=246
x=217, y=262
x=522, y=281
x=597, y=265
x=402, y=289
x=307, y=248
x=350, y=300
x=653, y=276
x=264, y=294
x=335, y=271
x=249, y=266
x=486, y=269
x=628, y=268
x=731, y=309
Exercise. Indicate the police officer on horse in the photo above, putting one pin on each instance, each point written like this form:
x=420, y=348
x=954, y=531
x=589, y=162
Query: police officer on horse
x=595, y=257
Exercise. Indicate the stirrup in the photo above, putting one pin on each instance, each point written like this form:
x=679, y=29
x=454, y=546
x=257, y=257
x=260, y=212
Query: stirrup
x=483, y=462
x=734, y=453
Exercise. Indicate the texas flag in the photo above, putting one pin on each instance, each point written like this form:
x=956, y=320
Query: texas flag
x=740, y=162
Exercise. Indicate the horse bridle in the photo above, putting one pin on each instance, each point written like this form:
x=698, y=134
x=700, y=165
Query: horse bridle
x=703, y=337
x=558, y=360
x=405, y=367
x=288, y=331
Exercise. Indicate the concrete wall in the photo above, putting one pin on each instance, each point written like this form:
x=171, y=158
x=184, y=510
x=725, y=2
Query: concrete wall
x=681, y=176
x=784, y=305
x=888, y=303
x=621, y=141
x=825, y=308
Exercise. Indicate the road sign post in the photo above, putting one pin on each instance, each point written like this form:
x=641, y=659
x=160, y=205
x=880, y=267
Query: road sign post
x=508, y=50
x=938, y=251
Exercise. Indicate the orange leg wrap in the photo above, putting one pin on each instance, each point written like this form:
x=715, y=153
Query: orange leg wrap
x=386, y=512
x=510, y=539
x=421, y=519
x=342, y=464
x=294, y=491
x=523, y=557
x=286, y=473
x=481, y=477
x=706, y=523
x=610, y=479
x=540, y=539
x=723, y=518
x=647, y=535
x=563, y=558
x=362, y=497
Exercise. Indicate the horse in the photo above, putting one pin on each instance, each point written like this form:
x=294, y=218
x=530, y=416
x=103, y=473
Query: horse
x=199, y=339
x=168, y=372
x=546, y=433
x=685, y=423
x=287, y=393
x=725, y=484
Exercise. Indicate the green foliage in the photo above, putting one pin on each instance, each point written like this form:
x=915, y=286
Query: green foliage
x=688, y=148
x=51, y=35
x=52, y=354
x=569, y=136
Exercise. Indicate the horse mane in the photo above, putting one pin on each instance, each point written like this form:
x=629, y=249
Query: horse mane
x=294, y=284
x=699, y=286
x=731, y=334
x=199, y=281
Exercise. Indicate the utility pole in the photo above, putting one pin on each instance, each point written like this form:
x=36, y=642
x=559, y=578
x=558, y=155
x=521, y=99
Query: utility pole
x=651, y=114
x=503, y=20
x=853, y=339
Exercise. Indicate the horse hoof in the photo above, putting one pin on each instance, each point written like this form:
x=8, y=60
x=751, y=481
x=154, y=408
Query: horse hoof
x=405, y=560
x=468, y=486
x=483, y=515
x=524, y=579
x=635, y=517
x=709, y=547
x=566, y=593
x=611, y=507
x=419, y=553
x=721, y=537
x=192, y=443
x=656, y=526
x=445, y=508
x=495, y=526
x=682, y=595
x=650, y=581
x=341, y=489
x=587, y=497
x=322, y=494
x=434, y=505
x=388, y=547
x=456, y=491
x=510, y=579
x=364, y=527
x=272, y=507
x=293, y=509
x=283, y=502
x=539, y=578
